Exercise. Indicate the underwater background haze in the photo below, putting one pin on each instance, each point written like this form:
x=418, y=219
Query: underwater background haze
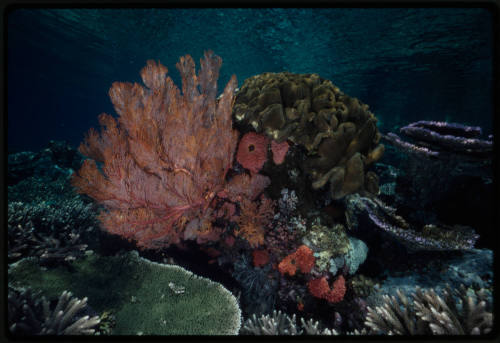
x=407, y=64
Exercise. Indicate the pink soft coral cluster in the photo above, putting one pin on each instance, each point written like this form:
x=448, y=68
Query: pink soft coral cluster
x=279, y=151
x=252, y=151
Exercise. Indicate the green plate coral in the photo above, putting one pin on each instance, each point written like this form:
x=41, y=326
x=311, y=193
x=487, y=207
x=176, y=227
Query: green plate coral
x=146, y=297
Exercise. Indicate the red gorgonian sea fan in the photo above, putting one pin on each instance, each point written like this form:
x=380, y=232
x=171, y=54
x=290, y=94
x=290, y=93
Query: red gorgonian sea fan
x=252, y=151
x=162, y=162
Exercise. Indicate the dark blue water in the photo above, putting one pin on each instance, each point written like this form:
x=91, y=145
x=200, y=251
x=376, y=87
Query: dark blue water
x=407, y=64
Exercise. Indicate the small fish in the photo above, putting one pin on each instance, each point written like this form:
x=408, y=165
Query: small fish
x=176, y=289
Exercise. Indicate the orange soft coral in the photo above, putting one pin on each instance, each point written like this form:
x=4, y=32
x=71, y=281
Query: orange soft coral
x=287, y=265
x=253, y=219
x=320, y=289
x=302, y=259
x=338, y=290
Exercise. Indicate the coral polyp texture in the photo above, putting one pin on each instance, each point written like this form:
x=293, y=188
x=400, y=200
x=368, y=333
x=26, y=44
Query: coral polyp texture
x=338, y=132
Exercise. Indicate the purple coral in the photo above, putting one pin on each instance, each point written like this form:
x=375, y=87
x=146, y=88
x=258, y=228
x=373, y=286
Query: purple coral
x=409, y=147
x=431, y=237
x=454, y=137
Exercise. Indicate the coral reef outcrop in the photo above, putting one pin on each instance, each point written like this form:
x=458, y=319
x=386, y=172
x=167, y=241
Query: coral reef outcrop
x=338, y=132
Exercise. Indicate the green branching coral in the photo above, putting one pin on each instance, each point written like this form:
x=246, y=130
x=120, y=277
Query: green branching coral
x=145, y=297
x=458, y=312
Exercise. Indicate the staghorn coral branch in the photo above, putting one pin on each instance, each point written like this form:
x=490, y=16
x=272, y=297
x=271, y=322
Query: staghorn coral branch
x=430, y=313
x=30, y=314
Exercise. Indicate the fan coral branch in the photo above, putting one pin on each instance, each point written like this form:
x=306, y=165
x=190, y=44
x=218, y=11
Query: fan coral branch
x=167, y=155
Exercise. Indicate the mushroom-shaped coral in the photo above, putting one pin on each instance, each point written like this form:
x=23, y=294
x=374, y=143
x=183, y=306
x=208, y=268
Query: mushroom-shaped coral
x=252, y=151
